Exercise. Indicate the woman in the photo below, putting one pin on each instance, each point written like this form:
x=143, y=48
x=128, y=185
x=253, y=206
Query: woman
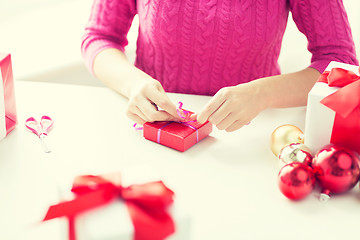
x=225, y=48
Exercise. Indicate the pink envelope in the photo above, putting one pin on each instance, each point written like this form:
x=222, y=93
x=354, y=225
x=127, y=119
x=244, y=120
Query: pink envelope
x=8, y=117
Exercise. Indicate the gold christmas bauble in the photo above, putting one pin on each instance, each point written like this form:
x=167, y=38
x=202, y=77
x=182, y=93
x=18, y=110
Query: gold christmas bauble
x=284, y=135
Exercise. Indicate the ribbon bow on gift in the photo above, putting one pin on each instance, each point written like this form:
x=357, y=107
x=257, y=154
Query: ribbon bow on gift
x=347, y=99
x=147, y=204
x=185, y=115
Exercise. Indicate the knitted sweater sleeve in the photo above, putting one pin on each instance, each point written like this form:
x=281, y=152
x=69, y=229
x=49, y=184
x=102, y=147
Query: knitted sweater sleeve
x=326, y=27
x=107, y=27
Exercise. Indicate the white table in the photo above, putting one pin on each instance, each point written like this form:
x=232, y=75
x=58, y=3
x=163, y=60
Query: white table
x=228, y=181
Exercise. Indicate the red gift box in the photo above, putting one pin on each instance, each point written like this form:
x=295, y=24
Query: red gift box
x=8, y=117
x=177, y=135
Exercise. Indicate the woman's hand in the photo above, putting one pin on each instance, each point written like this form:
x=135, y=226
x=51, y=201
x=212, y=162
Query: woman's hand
x=145, y=94
x=232, y=107
x=229, y=109
x=145, y=99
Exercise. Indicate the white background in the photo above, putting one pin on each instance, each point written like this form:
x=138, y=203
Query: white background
x=44, y=39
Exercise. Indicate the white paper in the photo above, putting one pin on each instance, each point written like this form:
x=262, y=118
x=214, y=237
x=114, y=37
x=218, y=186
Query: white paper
x=319, y=118
x=110, y=222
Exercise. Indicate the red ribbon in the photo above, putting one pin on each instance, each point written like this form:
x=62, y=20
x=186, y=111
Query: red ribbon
x=185, y=115
x=347, y=99
x=346, y=103
x=147, y=204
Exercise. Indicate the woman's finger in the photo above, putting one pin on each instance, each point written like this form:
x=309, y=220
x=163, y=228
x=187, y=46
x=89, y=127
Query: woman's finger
x=134, y=109
x=236, y=126
x=163, y=101
x=152, y=114
x=136, y=118
x=222, y=113
x=148, y=109
x=226, y=121
x=212, y=106
x=165, y=116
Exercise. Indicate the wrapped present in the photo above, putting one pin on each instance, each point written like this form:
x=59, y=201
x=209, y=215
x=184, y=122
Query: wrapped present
x=333, y=108
x=8, y=118
x=177, y=135
x=103, y=208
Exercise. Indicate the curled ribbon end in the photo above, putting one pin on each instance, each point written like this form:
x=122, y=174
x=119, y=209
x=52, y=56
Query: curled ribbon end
x=137, y=128
x=185, y=115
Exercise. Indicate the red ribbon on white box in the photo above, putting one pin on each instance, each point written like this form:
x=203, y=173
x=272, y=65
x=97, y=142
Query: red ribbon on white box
x=147, y=204
x=338, y=89
x=347, y=99
x=345, y=102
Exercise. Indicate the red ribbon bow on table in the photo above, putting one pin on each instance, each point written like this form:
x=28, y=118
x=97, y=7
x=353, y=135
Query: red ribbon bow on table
x=347, y=99
x=147, y=205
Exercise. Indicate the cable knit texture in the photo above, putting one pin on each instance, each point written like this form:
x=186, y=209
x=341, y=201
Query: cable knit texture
x=200, y=46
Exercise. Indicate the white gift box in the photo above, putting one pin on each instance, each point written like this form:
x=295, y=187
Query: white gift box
x=319, y=118
x=112, y=221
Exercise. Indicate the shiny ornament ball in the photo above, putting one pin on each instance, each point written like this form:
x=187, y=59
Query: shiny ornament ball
x=285, y=135
x=336, y=168
x=296, y=180
x=295, y=152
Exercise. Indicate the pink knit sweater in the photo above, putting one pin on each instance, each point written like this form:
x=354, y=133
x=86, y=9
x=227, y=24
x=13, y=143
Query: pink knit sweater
x=200, y=46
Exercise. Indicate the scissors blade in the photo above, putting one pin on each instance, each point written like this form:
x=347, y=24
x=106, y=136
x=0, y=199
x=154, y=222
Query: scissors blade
x=44, y=143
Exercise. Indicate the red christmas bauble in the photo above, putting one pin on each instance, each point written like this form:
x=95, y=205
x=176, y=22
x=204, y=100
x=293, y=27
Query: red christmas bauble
x=296, y=180
x=336, y=168
x=295, y=152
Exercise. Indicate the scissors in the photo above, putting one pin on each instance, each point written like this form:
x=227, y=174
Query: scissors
x=41, y=129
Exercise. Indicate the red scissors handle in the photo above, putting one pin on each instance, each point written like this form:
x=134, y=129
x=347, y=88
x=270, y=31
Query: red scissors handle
x=46, y=123
x=39, y=128
x=32, y=125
